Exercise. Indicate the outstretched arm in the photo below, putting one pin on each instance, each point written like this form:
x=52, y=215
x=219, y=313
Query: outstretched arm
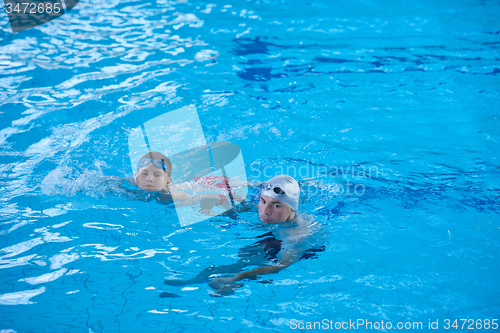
x=227, y=286
x=207, y=194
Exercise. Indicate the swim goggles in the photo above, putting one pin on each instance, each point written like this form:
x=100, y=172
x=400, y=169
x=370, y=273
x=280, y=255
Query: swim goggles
x=268, y=187
x=158, y=163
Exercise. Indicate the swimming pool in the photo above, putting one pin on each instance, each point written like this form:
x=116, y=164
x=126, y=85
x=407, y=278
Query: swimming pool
x=388, y=111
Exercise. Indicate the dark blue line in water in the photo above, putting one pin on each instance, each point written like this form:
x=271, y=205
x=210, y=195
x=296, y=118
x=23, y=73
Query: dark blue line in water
x=211, y=159
x=145, y=137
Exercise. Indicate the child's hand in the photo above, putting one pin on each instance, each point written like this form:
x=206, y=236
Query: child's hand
x=224, y=286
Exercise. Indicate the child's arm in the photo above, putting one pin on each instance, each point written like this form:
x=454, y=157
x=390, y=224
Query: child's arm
x=227, y=286
x=204, y=185
x=205, y=200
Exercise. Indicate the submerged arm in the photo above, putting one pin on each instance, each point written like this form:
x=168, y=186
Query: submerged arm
x=286, y=261
x=227, y=286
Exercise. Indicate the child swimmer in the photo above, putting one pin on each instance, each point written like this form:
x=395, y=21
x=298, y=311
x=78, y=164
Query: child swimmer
x=154, y=174
x=286, y=243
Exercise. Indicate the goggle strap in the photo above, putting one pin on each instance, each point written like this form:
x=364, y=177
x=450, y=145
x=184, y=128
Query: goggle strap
x=145, y=162
x=276, y=189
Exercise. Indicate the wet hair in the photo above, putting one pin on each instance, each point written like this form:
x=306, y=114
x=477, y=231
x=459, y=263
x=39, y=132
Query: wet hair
x=159, y=156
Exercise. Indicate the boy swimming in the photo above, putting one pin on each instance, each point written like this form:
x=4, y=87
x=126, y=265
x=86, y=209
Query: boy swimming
x=153, y=172
x=285, y=243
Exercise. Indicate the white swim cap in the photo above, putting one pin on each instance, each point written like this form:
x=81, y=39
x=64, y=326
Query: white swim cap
x=283, y=188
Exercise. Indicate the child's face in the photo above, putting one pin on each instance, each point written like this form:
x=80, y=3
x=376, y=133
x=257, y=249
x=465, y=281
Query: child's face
x=151, y=178
x=274, y=211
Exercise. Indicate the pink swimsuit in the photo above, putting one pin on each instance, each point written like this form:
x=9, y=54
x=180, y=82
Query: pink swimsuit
x=212, y=182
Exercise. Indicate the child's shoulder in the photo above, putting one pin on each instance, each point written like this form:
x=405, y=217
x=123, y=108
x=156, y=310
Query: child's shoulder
x=296, y=230
x=304, y=221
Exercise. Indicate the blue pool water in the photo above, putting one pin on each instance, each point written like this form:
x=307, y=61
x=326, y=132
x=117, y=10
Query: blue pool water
x=388, y=112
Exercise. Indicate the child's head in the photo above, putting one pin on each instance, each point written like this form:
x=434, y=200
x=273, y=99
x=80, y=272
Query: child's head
x=154, y=172
x=279, y=199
